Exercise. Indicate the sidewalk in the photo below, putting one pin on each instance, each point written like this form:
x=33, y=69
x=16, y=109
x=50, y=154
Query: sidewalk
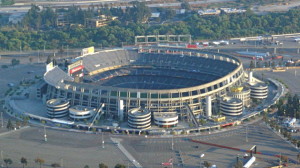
x=126, y=153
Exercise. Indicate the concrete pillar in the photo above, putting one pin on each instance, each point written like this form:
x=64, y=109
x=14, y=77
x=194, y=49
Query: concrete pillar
x=121, y=110
x=208, y=106
x=250, y=76
x=275, y=50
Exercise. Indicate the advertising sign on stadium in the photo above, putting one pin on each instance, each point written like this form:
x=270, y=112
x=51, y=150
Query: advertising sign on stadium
x=86, y=51
x=80, y=67
x=49, y=66
x=73, y=66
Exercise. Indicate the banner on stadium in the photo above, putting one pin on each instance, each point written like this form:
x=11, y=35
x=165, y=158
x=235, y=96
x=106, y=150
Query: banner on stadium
x=49, y=66
x=80, y=67
x=90, y=50
x=76, y=66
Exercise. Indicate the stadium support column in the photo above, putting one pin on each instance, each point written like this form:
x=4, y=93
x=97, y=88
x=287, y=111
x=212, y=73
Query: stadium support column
x=121, y=110
x=208, y=106
x=250, y=76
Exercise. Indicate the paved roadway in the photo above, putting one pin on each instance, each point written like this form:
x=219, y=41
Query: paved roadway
x=25, y=6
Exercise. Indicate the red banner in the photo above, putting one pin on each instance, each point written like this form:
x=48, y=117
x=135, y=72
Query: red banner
x=80, y=67
x=166, y=164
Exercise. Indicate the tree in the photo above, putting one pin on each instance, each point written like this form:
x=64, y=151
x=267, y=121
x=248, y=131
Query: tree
x=9, y=125
x=7, y=161
x=30, y=59
x=120, y=166
x=207, y=164
x=185, y=5
x=24, y=161
x=48, y=59
x=102, y=165
x=39, y=161
x=55, y=165
x=15, y=62
x=252, y=65
x=239, y=164
x=86, y=166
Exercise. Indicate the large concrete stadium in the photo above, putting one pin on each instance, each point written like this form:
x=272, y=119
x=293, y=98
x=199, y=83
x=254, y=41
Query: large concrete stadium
x=159, y=79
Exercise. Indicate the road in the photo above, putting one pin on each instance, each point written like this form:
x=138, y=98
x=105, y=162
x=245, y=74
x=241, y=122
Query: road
x=25, y=6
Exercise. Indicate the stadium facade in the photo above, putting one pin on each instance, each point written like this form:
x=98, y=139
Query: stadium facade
x=158, y=79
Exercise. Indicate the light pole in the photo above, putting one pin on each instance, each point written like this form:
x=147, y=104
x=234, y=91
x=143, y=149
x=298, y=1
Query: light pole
x=1, y=155
x=45, y=135
x=67, y=51
x=38, y=56
x=102, y=140
x=44, y=47
x=172, y=145
x=2, y=119
x=61, y=162
x=247, y=133
x=201, y=156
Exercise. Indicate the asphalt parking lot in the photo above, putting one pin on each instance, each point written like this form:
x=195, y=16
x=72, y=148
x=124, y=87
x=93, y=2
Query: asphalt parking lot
x=79, y=149
x=74, y=150
x=289, y=77
x=16, y=74
x=160, y=150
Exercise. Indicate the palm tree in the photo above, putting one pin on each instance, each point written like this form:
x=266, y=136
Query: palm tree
x=39, y=161
x=24, y=161
x=7, y=161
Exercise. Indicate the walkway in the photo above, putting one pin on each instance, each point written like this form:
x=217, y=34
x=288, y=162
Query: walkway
x=126, y=153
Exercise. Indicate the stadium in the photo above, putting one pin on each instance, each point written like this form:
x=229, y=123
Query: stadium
x=162, y=80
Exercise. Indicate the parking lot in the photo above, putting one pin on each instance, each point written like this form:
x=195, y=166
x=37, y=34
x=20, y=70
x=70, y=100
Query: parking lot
x=160, y=150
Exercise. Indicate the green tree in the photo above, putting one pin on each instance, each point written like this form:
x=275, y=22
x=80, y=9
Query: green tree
x=86, y=166
x=9, y=125
x=185, y=5
x=120, y=166
x=24, y=161
x=252, y=66
x=7, y=161
x=15, y=62
x=48, y=59
x=239, y=164
x=207, y=164
x=39, y=161
x=102, y=165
